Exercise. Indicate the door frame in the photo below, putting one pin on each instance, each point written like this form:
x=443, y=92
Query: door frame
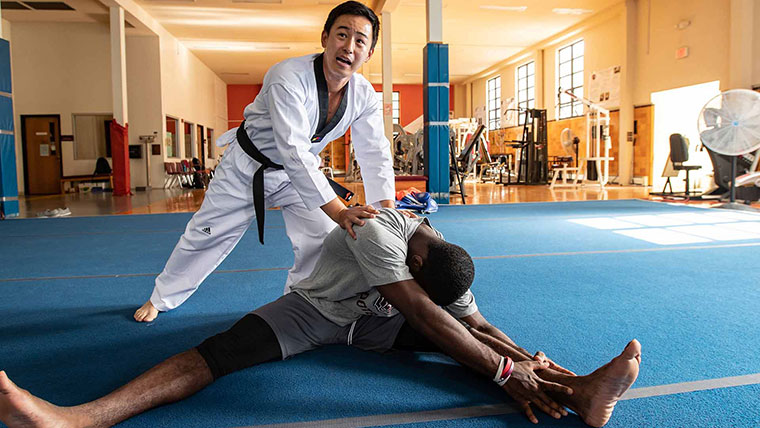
x=23, y=146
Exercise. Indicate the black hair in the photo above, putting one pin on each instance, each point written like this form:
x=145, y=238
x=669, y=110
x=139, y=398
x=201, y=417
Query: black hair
x=447, y=273
x=357, y=9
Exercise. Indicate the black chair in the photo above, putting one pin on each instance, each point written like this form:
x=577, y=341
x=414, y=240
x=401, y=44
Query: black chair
x=679, y=153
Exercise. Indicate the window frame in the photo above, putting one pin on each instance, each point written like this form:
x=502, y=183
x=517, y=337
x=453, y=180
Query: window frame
x=530, y=91
x=566, y=106
x=493, y=102
x=396, y=97
x=174, y=152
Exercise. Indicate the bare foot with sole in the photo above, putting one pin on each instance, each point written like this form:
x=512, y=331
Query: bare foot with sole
x=20, y=409
x=146, y=312
x=595, y=395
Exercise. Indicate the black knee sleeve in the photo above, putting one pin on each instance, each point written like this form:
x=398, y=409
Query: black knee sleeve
x=249, y=342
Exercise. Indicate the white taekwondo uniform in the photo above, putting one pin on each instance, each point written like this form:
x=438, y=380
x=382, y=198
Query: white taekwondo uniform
x=284, y=122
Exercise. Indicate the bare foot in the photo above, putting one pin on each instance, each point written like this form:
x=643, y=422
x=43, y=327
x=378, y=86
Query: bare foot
x=19, y=408
x=146, y=312
x=596, y=394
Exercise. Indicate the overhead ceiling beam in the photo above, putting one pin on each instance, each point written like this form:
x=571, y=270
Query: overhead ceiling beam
x=389, y=6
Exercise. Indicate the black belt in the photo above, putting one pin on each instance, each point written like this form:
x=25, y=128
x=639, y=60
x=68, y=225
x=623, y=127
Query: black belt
x=258, y=178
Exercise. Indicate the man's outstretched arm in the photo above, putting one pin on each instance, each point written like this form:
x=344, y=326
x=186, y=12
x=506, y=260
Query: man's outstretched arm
x=452, y=338
x=495, y=339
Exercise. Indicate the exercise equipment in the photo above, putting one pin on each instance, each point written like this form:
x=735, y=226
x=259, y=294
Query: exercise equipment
x=464, y=164
x=408, y=153
x=598, y=142
x=532, y=149
x=729, y=124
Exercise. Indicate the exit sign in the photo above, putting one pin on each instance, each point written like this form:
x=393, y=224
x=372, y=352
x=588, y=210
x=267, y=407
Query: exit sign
x=682, y=52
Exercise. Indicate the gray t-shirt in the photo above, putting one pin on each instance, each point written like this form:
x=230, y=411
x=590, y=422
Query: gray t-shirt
x=342, y=286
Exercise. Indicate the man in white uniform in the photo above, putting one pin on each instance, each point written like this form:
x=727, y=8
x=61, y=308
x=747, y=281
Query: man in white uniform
x=304, y=103
x=399, y=286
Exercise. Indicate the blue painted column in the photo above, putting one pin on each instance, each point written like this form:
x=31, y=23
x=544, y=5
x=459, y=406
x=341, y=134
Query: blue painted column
x=8, y=183
x=435, y=93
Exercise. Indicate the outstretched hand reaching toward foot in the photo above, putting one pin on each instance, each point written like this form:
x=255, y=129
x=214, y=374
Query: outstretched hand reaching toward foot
x=526, y=387
x=146, y=312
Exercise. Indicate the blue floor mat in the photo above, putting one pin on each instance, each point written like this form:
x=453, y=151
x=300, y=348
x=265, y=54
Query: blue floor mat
x=72, y=339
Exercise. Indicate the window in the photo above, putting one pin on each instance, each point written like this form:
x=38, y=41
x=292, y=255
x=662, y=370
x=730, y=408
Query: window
x=396, y=109
x=493, y=95
x=188, y=140
x=570, y=77
x=526, y=88
x=210, y=142
x=92, y=136
x=171, y=141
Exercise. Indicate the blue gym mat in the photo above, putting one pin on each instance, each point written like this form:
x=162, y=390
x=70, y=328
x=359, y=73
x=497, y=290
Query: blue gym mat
x=71, y=285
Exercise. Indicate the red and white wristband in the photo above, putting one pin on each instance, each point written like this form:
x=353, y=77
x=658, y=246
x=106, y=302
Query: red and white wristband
x=504, y=371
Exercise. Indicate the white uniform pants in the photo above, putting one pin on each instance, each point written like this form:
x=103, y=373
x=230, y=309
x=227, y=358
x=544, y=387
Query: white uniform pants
x=224, y=217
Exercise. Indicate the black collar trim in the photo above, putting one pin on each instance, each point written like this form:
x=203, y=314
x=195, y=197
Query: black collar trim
x=323, y=95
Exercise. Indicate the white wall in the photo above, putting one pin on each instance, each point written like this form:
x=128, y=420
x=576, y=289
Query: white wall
x=144, y=105
x=656, y=68
x=707, y=38
x=190, y=90
x=63, y=69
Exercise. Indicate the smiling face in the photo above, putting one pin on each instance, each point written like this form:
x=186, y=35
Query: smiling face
x=348, y=45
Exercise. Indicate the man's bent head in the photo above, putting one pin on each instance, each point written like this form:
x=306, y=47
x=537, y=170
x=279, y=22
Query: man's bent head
x=446, y=273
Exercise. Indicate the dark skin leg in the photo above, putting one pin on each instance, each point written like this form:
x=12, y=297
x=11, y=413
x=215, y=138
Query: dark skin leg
x=172, y=380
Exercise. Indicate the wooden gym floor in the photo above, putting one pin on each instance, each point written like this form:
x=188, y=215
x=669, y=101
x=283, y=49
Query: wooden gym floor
x=189, y=200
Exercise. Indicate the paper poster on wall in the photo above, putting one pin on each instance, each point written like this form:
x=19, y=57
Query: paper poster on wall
x=508, y=113
x=604, y=87
x=480, y=115
x=44, y=149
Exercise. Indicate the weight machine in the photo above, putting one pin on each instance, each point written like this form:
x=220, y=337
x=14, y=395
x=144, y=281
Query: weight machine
x=598, y=142
x=533, y=165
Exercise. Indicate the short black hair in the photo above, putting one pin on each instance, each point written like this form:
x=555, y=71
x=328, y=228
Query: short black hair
x=447, y=273
x=357, y=9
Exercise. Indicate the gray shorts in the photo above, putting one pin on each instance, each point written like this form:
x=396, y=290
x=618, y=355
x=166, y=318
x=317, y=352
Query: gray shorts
x=300, y=327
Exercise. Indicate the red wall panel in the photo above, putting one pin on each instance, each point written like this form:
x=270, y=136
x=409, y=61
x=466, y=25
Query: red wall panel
x=239, y=96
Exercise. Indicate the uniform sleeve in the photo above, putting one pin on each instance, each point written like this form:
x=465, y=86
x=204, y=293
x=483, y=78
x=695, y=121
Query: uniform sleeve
x=463, y=306
x=373, y=151
x=380, y=254
x=290, y=126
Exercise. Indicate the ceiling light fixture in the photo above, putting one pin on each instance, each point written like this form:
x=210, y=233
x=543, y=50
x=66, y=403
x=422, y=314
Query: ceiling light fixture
x=505, y=8
x=258, y=1
x=222, y=45
x=570, y=11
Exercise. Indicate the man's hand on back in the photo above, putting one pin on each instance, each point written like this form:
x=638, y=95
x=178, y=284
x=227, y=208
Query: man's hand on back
x=353, y=216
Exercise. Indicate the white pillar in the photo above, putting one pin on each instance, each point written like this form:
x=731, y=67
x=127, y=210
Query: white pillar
x=538, y=79
x=387, y=77
x=434, y=21
x=468, y=100
x=741, y=35
x=118, y=66
x=627, y=84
